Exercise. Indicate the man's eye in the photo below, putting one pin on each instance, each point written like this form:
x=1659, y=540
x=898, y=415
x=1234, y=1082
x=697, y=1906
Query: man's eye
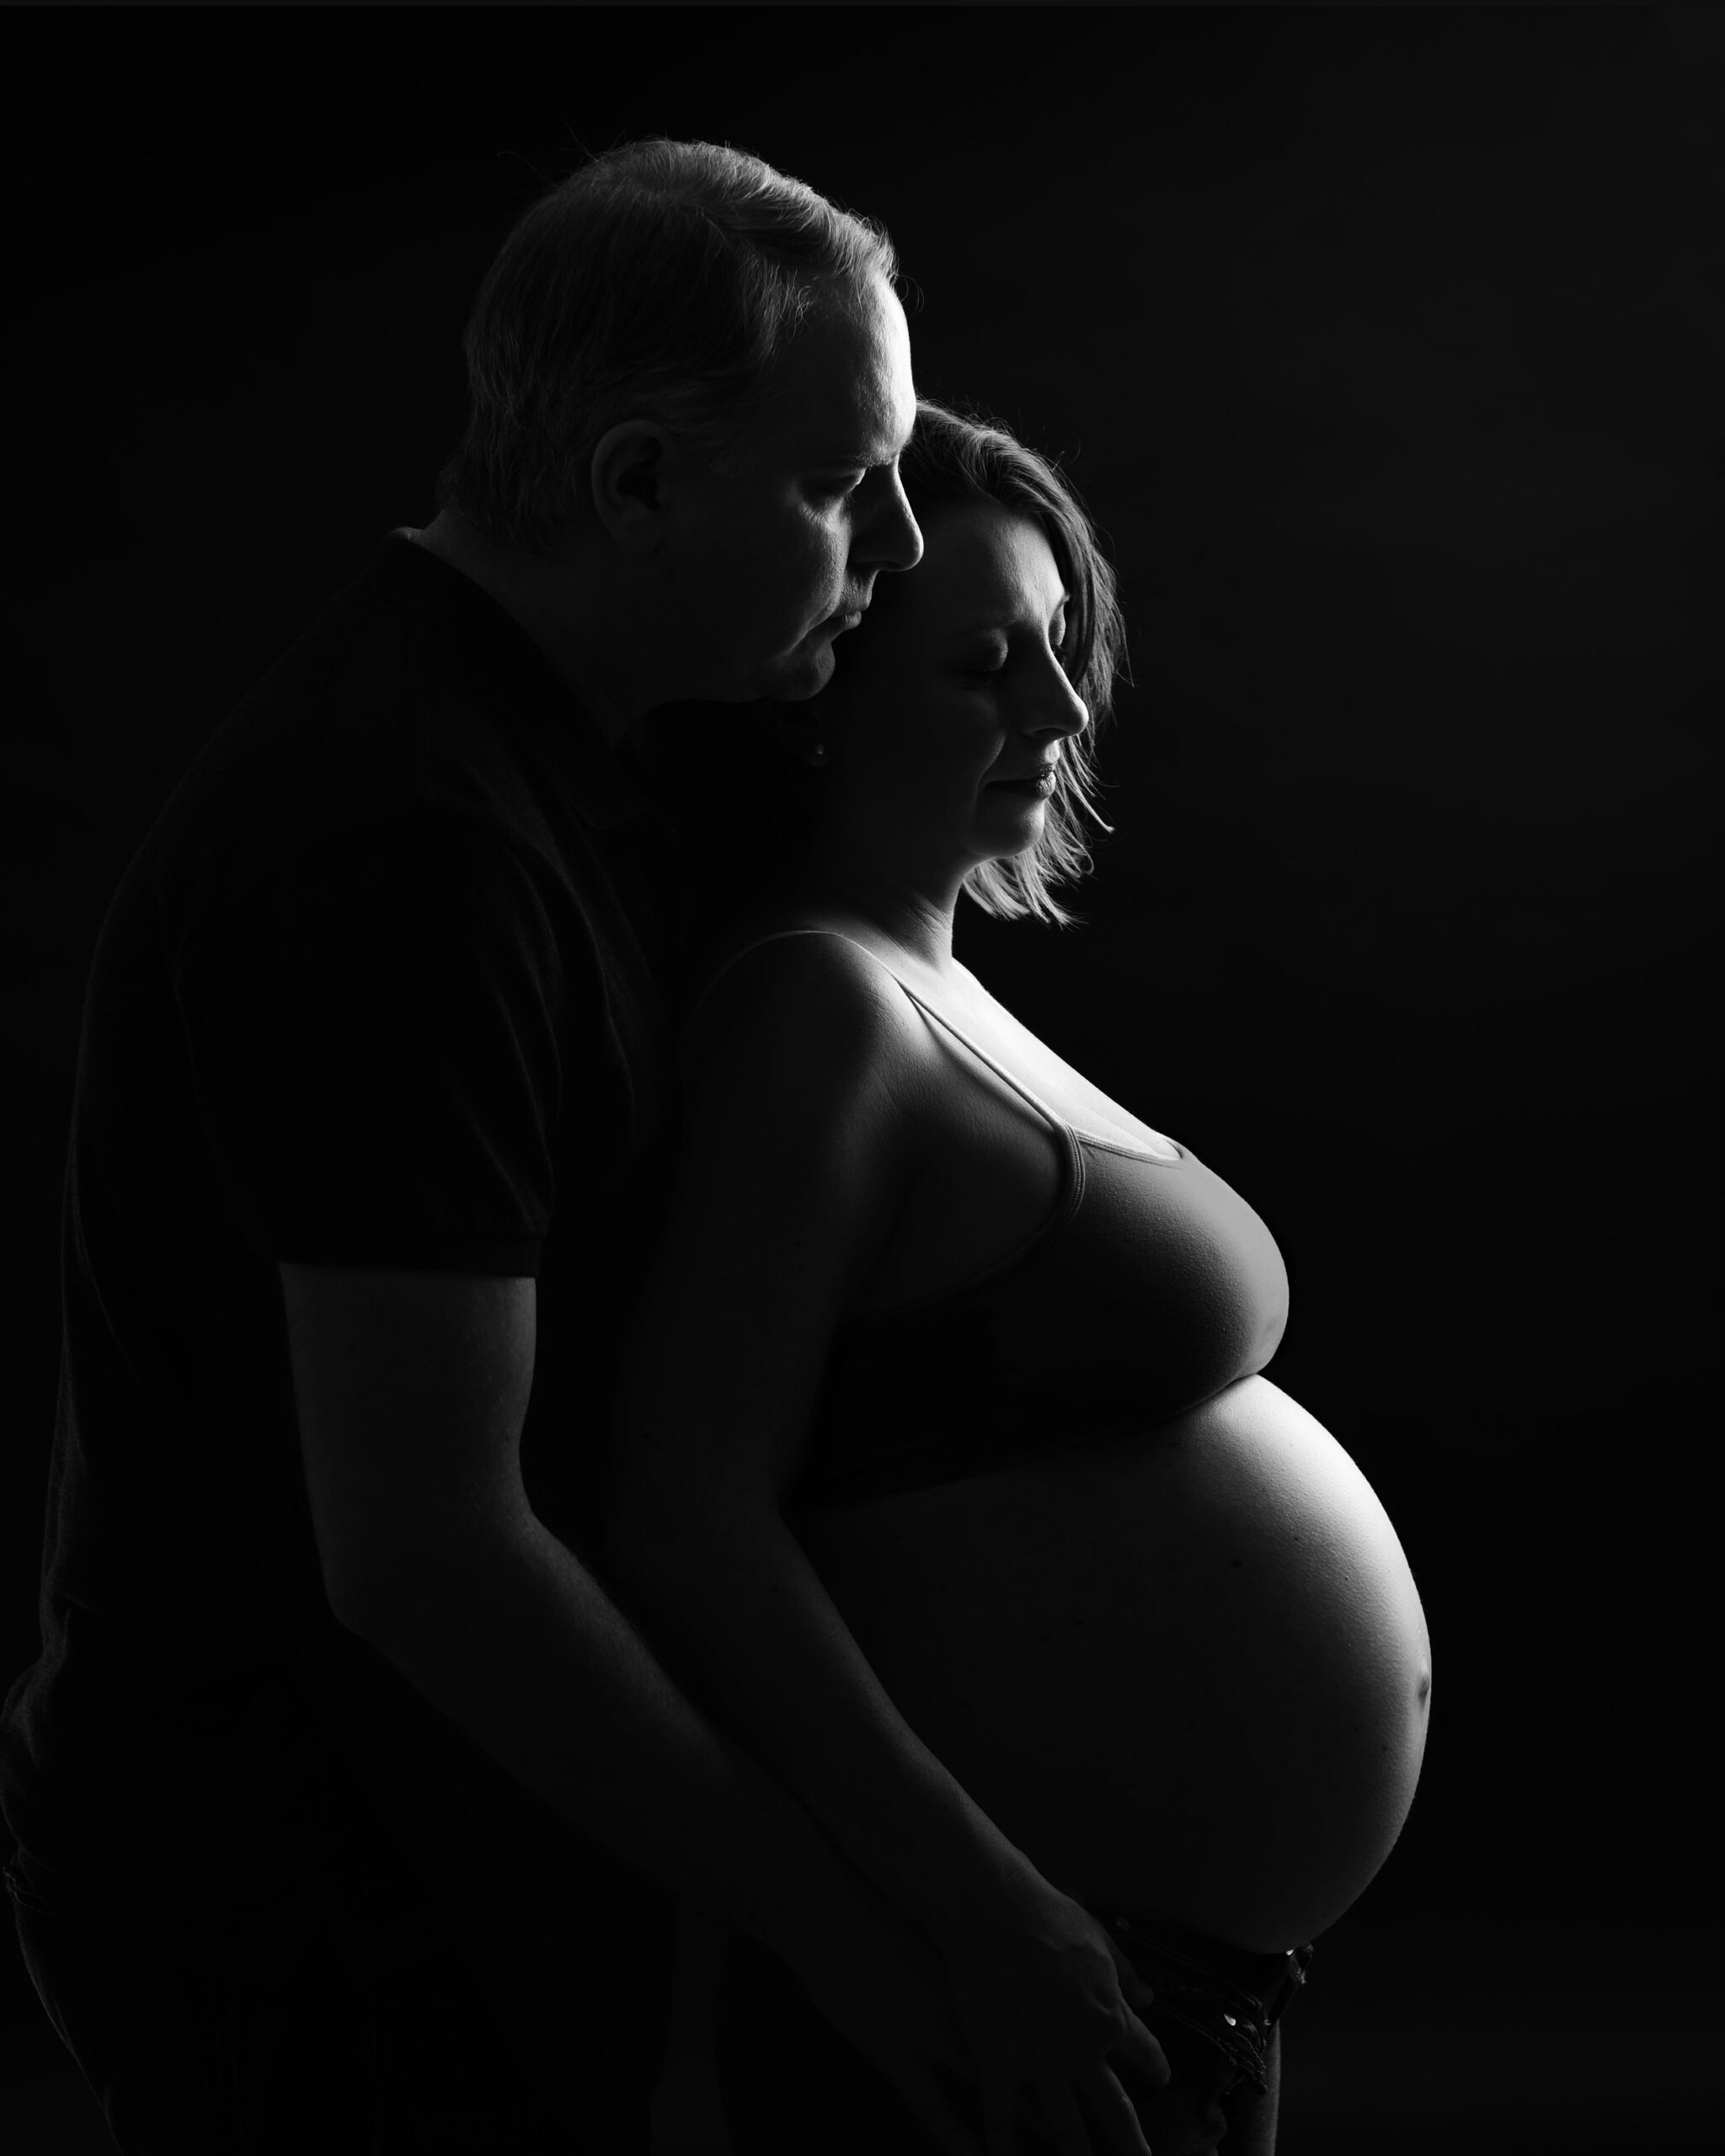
x=843, y=483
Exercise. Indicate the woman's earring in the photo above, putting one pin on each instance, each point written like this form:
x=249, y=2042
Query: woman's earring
x=818, y=752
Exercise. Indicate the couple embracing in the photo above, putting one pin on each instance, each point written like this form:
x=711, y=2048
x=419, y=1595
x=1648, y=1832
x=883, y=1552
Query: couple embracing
x=611, y=1393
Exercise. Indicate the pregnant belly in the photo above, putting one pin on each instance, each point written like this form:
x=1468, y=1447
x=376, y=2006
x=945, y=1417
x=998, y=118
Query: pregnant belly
x=1185, y=1670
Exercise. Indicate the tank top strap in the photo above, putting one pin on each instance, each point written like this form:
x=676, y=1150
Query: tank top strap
x=1056, y=1123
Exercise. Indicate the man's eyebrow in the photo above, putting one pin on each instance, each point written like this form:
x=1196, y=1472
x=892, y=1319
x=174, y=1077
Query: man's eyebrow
x=853, y=459
x=876, y=457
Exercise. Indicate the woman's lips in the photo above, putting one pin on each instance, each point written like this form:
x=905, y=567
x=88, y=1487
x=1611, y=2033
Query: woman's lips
x=1039, y=786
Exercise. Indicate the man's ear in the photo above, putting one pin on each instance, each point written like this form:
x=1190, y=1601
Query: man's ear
x=625, y=480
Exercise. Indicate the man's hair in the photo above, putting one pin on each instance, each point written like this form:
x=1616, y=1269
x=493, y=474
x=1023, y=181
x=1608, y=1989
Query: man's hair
x=956, y=457
x=662, y=279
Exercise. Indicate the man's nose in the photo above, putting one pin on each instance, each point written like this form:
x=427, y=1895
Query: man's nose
x=892, y=539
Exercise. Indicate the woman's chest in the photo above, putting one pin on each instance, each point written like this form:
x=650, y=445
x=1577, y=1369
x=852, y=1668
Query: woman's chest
x=999, y=1047
x=993, y=1162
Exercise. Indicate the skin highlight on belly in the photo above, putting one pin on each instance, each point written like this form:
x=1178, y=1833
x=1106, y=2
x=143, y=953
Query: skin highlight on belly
x=1185, y=1669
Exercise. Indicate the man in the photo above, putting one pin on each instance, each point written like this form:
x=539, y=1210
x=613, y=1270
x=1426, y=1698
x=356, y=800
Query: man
x=350, y=1809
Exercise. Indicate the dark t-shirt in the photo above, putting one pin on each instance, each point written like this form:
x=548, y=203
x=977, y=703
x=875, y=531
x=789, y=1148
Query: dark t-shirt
x=382, y=986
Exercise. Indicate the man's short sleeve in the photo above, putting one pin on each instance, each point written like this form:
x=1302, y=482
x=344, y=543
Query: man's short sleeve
x=375, y=1043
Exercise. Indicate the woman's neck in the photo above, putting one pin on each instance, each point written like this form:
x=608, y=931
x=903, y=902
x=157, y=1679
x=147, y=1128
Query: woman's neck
x=918, y=929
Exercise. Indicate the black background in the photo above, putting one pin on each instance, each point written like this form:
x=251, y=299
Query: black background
x=1387, y=347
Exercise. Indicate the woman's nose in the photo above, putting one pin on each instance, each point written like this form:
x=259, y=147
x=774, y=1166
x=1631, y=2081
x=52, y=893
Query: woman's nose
x=1057, y=708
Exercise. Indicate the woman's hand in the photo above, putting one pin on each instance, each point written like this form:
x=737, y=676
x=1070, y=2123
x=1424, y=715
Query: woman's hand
x=1046, y=2001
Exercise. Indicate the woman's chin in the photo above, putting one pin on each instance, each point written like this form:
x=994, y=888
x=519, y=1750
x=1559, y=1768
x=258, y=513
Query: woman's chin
x=1002, y=834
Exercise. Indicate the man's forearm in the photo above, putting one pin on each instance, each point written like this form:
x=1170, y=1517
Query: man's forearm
x=526, y=1654
x=750, y=1618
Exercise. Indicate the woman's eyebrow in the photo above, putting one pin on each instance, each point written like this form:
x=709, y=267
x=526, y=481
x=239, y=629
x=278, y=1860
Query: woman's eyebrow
x=992, y=621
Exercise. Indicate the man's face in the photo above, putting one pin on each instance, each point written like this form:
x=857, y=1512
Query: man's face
x=770, y=560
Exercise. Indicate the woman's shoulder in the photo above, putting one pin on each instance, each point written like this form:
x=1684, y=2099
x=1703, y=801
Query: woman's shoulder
x=795, y=985
x=804, y=1051
x=783, y=943
x=756, y=928
x=782, y=915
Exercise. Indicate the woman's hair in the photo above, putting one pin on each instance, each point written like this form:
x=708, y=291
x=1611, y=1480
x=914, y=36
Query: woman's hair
x=956, y=457
x=664, y=279
x=756, y=807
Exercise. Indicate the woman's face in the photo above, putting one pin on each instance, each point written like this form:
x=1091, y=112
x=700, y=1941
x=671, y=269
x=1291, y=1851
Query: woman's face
x=949, y=698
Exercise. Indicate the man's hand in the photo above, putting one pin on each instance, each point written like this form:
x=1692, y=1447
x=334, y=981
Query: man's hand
x=877, y=1977
x=1049, y=2006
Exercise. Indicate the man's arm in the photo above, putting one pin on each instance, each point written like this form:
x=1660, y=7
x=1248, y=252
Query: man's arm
x=411, y=1389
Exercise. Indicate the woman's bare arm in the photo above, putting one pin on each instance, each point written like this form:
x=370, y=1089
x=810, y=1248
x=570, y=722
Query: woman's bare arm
x=799, y=1151
x=801, y=1143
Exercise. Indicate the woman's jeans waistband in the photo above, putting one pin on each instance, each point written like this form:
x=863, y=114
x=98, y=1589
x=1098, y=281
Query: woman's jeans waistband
x=1230, y=1999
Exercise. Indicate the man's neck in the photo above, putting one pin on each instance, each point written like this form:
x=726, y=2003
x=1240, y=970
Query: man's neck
x=579, y=641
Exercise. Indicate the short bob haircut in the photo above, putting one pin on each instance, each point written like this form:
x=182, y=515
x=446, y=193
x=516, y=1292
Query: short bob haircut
x=662, y=279
x=956, y=457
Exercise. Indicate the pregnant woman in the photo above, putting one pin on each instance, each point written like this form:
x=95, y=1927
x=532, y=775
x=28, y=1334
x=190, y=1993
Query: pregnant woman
x=948, y=1470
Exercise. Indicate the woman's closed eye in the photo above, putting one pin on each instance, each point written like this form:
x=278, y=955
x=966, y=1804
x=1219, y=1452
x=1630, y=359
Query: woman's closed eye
x=989, y=665
x=984, y=665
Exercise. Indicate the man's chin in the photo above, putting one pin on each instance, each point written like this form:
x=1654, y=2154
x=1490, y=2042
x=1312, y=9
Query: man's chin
x=800, y=674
